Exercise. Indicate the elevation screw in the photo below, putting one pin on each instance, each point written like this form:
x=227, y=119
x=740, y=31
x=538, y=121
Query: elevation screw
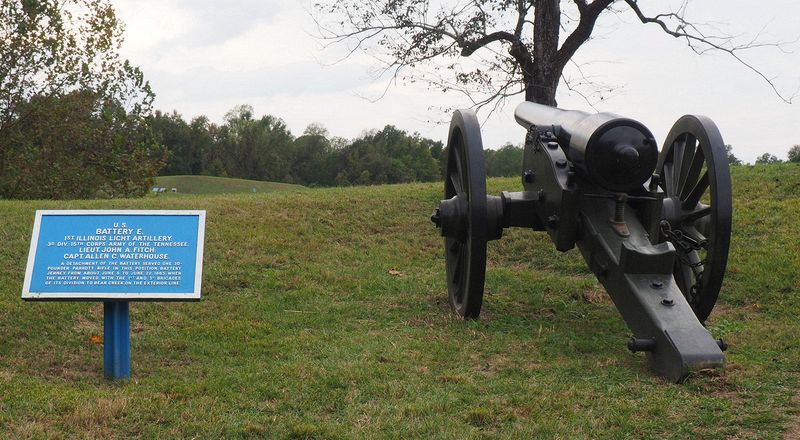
x=654, y=182
x=619, y=208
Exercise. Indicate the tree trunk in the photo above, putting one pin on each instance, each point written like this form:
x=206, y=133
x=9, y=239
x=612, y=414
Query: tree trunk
x=541, y=89
x=541, y=83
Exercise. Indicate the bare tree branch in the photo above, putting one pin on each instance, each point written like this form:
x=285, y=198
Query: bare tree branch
x=469, y=47
x=515, y=43
x=588, y=17
x=696, y=40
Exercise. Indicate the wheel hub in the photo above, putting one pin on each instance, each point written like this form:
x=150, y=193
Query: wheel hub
x=451, y=217
x=671, y=211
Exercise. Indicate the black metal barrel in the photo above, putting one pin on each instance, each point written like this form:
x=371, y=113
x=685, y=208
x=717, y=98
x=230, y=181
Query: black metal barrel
x=617, y=153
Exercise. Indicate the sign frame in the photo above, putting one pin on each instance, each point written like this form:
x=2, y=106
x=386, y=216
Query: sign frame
x=131, y=295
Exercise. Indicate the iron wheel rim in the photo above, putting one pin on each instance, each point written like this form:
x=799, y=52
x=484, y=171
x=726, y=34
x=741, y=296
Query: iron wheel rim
x=465, y=252
x=694, y=168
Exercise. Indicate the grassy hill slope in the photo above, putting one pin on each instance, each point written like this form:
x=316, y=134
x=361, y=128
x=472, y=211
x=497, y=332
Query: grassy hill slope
x=218, y=185
x=304, y=333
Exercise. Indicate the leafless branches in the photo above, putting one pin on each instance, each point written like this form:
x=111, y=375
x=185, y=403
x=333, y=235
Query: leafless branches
x=413, y=41
x=701, y=41
x=513, y=45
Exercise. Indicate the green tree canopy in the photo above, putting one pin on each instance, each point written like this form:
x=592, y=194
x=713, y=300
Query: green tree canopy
x=70, y=107
x=313, y=161
x=390, y=155
x=258, y=149
x=732, y=159
x=170, y=129
x=768, y=158
x=78, y=145
x=505, y=161
x=794, y=153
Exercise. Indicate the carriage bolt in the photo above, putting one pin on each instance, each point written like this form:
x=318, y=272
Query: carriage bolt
x=552, y=222
x=561, y=163
x=657, y=284
x=528, y=176
x=552, y=145
x=668, y=302
x=436, y=219
x=570, y=178
x=547, y=136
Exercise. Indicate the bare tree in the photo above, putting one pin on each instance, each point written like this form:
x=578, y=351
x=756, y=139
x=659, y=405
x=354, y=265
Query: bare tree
x=515, y=46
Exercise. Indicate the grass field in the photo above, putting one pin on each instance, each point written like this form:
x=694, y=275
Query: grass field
x=303, y=332
x=218, y=185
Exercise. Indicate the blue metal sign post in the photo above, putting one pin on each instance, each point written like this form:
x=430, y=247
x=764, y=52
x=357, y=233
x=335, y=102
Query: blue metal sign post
x=115, y=257
x=116, y=340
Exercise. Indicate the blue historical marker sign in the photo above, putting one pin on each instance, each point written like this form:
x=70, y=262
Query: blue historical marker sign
x=115, y=255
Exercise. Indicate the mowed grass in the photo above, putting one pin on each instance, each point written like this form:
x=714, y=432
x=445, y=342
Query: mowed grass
x=303, y=332
x=218, y=185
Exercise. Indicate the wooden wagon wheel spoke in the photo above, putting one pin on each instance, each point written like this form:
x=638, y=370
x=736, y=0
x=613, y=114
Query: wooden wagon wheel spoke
x=694, y=196
x=697, y=214
x=666, y=181
x=690, y=178
x=457, y=175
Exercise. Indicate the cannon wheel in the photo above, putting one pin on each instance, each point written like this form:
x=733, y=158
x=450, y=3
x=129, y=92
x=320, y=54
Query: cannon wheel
x=696, y=215
x=465, y=252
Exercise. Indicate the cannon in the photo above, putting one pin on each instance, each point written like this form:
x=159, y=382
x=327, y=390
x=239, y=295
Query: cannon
x=654, y=228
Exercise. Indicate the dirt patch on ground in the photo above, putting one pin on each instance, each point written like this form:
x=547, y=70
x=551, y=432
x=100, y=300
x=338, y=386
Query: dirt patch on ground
x=595, y=296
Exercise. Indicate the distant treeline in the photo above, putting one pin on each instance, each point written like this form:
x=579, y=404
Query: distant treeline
x=264, y=149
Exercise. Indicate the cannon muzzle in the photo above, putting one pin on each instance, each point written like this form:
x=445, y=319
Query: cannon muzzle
x=617, y=153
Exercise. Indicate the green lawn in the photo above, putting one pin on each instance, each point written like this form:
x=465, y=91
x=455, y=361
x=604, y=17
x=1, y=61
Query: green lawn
x=303, y=332
x=218, y=185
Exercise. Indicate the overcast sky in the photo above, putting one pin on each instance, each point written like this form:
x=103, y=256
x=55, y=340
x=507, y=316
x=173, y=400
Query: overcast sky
x=203, y=57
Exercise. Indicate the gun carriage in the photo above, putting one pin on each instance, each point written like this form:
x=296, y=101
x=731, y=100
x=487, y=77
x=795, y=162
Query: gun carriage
x=653, y=227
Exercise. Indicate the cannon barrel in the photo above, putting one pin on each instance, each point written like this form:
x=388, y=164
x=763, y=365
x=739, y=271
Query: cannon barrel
x=617, y=153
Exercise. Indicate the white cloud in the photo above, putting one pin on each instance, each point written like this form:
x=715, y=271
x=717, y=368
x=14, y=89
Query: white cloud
x=150, y=24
